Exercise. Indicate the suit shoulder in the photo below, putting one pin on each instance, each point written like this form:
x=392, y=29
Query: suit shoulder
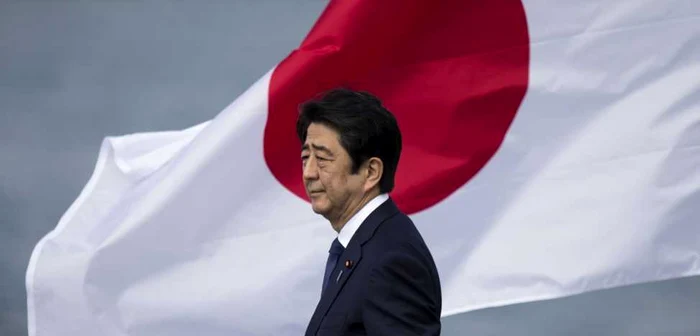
x=399, y=230
x=398, y=234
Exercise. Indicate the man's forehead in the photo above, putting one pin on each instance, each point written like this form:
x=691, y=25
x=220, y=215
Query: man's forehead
x=321, y=130
x=318, y=145
x=320, y=138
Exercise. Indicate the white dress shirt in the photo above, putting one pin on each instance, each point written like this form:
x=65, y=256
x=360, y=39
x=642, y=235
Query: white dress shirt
x=354, y=223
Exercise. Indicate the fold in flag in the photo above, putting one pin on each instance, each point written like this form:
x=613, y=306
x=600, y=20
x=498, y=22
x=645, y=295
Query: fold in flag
x=550, y=148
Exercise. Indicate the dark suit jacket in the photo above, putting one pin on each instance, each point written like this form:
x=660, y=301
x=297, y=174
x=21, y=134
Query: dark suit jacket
x=385, y=282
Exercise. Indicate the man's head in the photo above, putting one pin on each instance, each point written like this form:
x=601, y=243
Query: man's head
x=351, y=146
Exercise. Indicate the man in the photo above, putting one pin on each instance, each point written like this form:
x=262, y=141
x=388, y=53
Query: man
x=380, y=277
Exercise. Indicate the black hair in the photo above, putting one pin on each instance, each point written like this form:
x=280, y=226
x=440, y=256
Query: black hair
x=366, y=128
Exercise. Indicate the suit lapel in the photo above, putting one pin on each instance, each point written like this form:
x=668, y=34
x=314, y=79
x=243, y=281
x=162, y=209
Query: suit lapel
x=353, y=254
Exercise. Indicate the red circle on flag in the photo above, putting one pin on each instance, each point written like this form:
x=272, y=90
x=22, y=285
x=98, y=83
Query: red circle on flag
x=452, y=72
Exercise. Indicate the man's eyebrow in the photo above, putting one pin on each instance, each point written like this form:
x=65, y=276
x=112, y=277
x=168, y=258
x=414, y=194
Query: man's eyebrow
x=319, y=148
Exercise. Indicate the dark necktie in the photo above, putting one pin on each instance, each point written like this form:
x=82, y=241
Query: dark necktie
x=333, y=255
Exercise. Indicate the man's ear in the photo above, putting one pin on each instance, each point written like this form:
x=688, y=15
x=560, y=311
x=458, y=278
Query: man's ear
x=374, y=170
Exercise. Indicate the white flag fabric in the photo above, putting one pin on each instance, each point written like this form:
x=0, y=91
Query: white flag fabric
x=550, y=148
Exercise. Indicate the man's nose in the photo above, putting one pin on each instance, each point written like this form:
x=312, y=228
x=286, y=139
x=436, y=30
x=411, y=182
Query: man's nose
x=310, y=169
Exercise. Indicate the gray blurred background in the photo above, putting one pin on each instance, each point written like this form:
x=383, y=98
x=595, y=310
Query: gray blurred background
x=73, y=72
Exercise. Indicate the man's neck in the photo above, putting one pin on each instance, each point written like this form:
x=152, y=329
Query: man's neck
x=352, y=209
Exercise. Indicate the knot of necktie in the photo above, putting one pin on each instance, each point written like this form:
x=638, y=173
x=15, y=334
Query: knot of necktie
x=336, y=248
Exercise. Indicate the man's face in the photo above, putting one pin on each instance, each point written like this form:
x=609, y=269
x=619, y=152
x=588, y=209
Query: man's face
x=327, y=173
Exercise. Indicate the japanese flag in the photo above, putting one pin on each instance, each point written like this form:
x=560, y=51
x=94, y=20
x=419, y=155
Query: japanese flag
x=550, y=148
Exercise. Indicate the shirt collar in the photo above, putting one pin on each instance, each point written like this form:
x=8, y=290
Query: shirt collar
x=354, y=223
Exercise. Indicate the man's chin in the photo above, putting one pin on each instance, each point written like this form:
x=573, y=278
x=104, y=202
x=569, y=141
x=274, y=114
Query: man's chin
x=319, y=207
